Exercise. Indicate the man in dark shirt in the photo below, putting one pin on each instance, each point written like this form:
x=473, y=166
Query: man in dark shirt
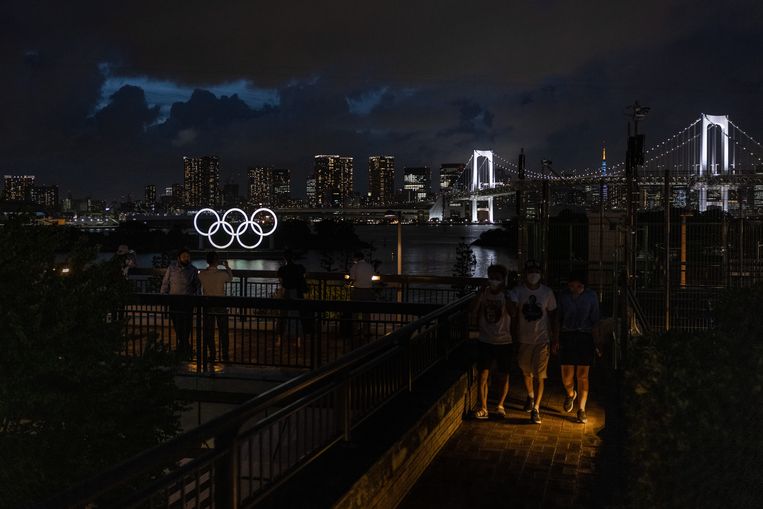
x=294, y=286
x=578, y=315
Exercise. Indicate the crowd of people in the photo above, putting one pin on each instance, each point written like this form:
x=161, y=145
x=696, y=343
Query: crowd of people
x=531, y=321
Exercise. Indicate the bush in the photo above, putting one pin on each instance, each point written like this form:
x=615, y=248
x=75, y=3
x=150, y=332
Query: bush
x=693, y=406
x=70, y=404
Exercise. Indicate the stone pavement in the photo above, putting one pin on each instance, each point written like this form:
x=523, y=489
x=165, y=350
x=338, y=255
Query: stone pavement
x=514, y=463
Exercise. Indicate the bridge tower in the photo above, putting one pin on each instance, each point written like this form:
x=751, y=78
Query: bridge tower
x=478, y=183
x=709, y=147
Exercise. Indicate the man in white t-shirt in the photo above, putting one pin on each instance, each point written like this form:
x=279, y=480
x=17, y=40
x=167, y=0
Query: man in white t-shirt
x=535, y=328
x=213, y=283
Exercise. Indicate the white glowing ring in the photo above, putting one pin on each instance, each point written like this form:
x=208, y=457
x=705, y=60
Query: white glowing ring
x=235, y=234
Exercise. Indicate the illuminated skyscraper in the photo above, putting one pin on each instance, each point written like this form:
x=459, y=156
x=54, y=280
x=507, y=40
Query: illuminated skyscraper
x=269, y=186
x=381, y=179
x=450, y=173
x=333, y=180
x=18, y=187
x=47, y=196
x=417, y=183
x=149, y=194
x=202, y=181
x=260, y=184
x=311, y=191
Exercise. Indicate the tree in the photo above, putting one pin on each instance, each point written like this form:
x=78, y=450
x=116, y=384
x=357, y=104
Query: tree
x=465, y=260
x=70, y=403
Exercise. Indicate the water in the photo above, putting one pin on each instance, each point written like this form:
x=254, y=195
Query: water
x=427, y=250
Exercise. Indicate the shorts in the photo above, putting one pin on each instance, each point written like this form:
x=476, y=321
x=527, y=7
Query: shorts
x=576, y=348
x=533, y=359
x=489, y=354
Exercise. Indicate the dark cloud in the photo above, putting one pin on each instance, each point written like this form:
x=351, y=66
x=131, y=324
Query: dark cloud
x=126, y=116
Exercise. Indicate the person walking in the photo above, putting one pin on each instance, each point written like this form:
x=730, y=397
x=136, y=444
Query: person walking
x=578, y=316
x=181, y=278
x=213, y=281
x=535, y=328
x=294, y=287
x=494, y=346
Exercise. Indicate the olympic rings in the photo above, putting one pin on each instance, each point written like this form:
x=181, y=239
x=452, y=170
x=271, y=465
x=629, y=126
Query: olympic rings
x=228, y=229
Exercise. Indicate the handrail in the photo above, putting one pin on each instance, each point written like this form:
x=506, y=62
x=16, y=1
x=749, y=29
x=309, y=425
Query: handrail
x=333, y=276
x=231, y=421
x=265, y=303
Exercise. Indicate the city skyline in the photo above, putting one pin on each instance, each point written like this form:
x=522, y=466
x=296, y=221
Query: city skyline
x=107, y=104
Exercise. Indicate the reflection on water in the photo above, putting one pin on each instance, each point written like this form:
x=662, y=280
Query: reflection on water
x=427, y=250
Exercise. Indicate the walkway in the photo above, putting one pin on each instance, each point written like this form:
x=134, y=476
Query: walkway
x=514, y=463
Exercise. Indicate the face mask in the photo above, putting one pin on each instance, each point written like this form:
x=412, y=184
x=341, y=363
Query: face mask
x=494, y=283
x=533, y=278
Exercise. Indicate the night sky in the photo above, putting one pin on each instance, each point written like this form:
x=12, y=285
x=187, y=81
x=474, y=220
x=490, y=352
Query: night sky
x=104, y=97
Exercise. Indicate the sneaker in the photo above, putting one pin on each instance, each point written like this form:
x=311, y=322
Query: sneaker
x=582, y=417
x=535, y=416
x=569, y=402
x=529, y=404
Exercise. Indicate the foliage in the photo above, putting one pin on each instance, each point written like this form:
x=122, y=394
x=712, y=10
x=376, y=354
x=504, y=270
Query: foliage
x=70, y=405
x=327, y=261
x=465, y=260
x=693, y=406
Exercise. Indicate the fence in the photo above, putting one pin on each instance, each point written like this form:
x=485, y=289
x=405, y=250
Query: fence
x=329, y=286
x=260, y=332
x=683, y=261
x=240, y=457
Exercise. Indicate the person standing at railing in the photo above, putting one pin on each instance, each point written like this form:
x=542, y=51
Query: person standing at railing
x=293, y=287
x=494, y=347
x=579, y=316
x=181, y=278
x=535, y=328
x=213, y=281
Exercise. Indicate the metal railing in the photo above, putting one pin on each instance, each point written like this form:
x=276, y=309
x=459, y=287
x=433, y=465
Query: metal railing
x=237, y=459
x=329, y=286
x=250, y=331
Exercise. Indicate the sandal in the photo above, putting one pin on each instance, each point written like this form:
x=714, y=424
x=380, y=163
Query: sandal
x=501, y=411
x=481, y=414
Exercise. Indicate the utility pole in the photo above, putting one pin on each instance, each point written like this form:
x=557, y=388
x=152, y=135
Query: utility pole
x=521, y=213
x=634, y=157
x=545, y=214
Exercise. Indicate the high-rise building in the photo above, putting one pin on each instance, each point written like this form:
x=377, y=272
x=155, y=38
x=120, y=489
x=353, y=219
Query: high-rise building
x=269, y=186
x=177, y=192
x=417, y=183
x=18, y=187
x=47, y=196
x=333, y=180
x=202, y=181
x=260, y=182
x=310, y=188
x=451, y=177
x=281, y=187
x=149, y=194
x=230, y=195
x=381, y=179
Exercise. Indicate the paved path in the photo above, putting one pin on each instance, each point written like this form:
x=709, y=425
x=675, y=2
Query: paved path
x=514, y=463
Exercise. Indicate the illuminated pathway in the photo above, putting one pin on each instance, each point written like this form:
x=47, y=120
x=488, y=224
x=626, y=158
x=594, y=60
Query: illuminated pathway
x=513, y=463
